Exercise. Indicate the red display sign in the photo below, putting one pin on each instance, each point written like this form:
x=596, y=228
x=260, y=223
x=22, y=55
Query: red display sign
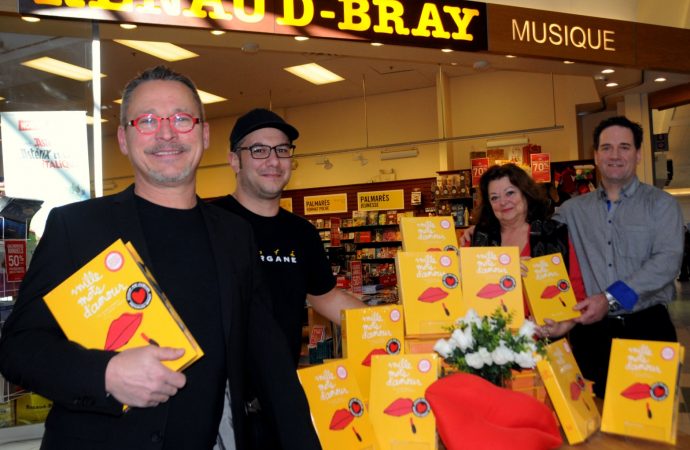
x=479, y=166
x=356, y=277
x=15, y=259
x=541, y=167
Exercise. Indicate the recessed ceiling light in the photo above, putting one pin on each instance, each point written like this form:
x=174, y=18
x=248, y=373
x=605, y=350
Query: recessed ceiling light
x=2, y=98
x=446, y=50
x=600, y=77
x=511, y=56
x=568, y=62
x=607, y=71
x=377, y=44
x=61, y=68
x=453, y=63
x=612, y=84
x=659, y=79
x=207, y=97
x=301, y=38
x=31, y=19
x=217, y=32
x=118, y=101
x=89, y=120
x=127, y=26
x=162, y=50
x=314, y=73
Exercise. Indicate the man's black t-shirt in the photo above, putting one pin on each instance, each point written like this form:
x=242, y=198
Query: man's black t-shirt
x=294, y=263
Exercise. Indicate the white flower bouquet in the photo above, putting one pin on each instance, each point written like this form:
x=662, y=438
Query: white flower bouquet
x=487, y=347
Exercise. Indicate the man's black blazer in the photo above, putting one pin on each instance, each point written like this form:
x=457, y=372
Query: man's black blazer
x=35, y=354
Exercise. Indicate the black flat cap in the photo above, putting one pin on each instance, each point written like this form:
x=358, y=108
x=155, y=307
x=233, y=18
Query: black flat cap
x=257, y=119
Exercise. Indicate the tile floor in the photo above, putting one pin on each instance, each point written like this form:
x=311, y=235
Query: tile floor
x=680, y=312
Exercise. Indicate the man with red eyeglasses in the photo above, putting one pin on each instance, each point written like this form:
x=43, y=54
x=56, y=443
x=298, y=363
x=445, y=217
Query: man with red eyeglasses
x=203, y=259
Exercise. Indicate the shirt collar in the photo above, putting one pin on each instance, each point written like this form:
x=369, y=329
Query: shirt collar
x=626, y=192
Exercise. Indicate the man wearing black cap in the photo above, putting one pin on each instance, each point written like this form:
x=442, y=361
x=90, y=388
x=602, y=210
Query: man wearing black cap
x=290, y=249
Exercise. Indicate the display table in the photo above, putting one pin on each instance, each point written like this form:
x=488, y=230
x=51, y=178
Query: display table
x=605, y=441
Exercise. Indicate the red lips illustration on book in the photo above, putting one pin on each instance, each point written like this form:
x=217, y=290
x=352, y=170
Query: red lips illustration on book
x=121, y=330
x=554, y=290
x=404, y=406
x=343, y=417
x=435, y=294
x=640, y=391
x=492, y=290
x=392, y=348
x=577, y=387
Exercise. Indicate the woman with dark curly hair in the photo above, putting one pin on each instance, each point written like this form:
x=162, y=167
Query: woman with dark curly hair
x=513, y=211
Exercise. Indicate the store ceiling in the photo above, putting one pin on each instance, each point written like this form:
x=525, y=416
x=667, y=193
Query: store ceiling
x=251, y=79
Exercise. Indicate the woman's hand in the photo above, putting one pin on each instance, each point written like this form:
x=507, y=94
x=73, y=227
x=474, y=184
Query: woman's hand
x=523, y=267
x=555, y=330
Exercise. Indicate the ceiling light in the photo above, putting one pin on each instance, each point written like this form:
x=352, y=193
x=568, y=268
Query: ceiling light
x=607, y=71
x=2, y=98
x=217, y=32
x=377, y=44
x=511, y=56
x=127, y=26
x=314, y=73
x=600, y=77
x=659, y=79
x=568, y=62
x=89, y=120
x=207, y=97
x=612, y=84
x=31, y=19
x=498, y=143
x=61, y=68
x=399, y=154
x=301, y=38
x=162, y=50
x=446, y=50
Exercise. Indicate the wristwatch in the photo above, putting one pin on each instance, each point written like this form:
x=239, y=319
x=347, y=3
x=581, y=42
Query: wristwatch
x=614, y=305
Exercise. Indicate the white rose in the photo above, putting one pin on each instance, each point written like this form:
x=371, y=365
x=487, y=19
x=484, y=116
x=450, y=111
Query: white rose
x=528, y=329
x=474, y=360
x=471, y=317
x=525, y=360
x=502, y=355
x=485, y=355
x=462, y=339
x=443, y=348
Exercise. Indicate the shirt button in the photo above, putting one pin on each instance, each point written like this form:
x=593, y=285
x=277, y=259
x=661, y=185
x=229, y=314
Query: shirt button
x=156, y=437
x=610, y=264
x=609, y=242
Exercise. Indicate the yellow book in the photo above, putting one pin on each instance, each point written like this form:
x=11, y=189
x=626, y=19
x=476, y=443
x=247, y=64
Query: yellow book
x=549, y=292
x=338, y=413
x=429, y=287
x=400, y=413
x=435, y=233
x=642, y=394
x=366, y=332
x=569, y=393
x=491, y=279
x=112, y=303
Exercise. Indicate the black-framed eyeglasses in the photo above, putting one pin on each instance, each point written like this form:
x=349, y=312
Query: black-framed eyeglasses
x=151, y=123
x=260, y=151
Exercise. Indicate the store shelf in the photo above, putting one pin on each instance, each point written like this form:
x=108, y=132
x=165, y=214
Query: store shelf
x=377, y=260
x=367, y=227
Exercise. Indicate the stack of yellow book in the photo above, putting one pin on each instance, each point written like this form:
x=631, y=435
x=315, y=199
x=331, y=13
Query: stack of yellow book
x=569, y=393
x=429, y=287
x=491, y=279
x=399, y=411
x=338, y=413
x=549, y=292
x=642, y=394
x=421, y=234
x=113, y=303
x=367, y=332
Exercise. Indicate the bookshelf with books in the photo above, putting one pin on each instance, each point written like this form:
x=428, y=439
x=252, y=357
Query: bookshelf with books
x=452, y=195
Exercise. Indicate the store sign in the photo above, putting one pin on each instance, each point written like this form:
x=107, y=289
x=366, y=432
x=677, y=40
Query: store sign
x=381, y=200
x=45, y=148
x=458, y=25
x=325, y=204
x=540, y=164
x=479, y=166
x=15, y=259
x=565, y=36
